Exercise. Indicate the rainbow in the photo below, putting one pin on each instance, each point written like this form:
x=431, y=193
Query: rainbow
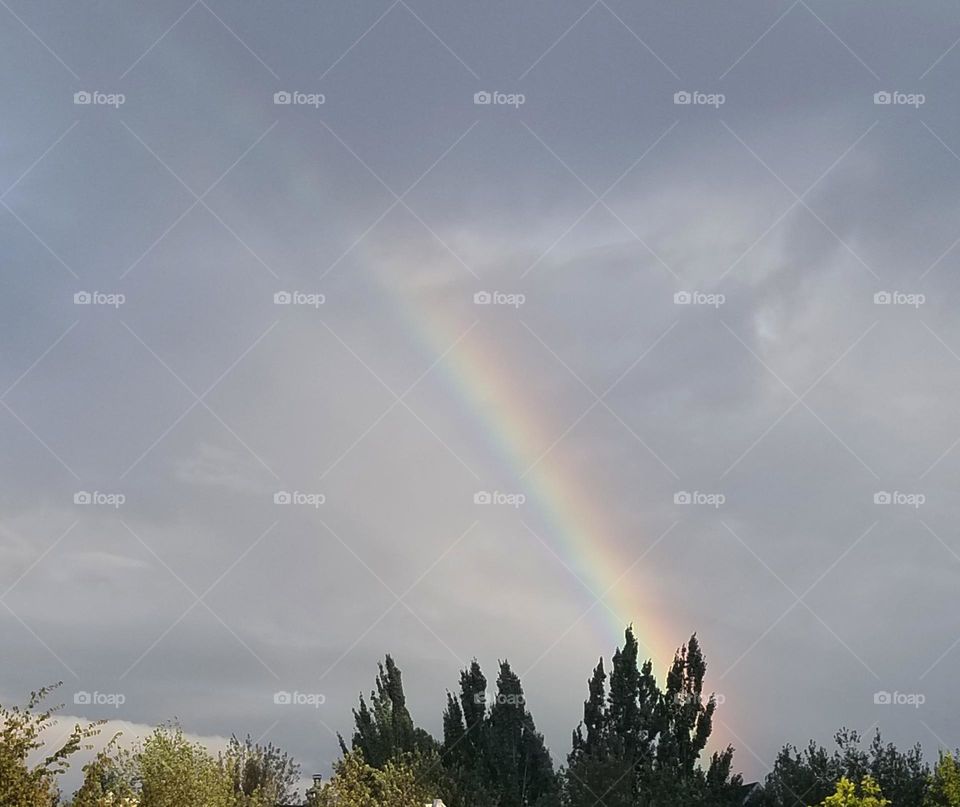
x=517, y=433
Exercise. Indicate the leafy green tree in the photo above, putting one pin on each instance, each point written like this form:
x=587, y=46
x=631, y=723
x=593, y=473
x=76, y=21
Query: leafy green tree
x=175, y=772
x=402, y=782
x=260, y=774
x=848, y=794
x=22, y=783
x=110, y=780
x=944, y=789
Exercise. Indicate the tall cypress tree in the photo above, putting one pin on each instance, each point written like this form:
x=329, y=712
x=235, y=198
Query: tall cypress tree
x=521, y=764
x=385, y=729
x=641, y=747
x=593, y=769
x=464, y=741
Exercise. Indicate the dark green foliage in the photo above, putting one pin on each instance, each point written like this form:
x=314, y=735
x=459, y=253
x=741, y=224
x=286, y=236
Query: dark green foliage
x=800, y=778
x=385, y=730
x=640, y=746
x=522, y=769
x=493, y=752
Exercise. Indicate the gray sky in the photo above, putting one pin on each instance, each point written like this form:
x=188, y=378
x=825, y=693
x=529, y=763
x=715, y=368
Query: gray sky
x=783, y=198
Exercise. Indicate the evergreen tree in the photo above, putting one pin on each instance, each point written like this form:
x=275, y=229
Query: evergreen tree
x=385, y=729
x=593, y=771
x=464, y=743
x=522, y=769
x=640, y=747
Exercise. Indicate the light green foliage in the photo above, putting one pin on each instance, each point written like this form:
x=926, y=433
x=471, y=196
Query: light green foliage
x=944, y=789
x=849, y=795
x=261, y=776
x=175, y=772
x=400, y=783
x=109, y=780
x=23, y=784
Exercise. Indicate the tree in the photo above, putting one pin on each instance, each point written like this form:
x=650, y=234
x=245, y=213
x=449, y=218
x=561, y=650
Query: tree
x=465, y=741
x=848, y=794
x=522, y=768
x=638, y=746
x=260, y=774
x=806, y=777
x=110, y=780
x=402, y=782
x=594, y=772
x=385, y=729
x=23, y=784
x=944, y=789
x=175, y=772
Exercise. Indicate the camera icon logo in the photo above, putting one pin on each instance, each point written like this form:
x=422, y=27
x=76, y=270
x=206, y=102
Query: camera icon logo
x=882, y=298
x=682, y=298
x=82, y=497
x=482, y=97
x=882, y=497
x=482, y=497
x=882, y=698
x=282, y=698
x=282, y=97
x=82, y=97
x=282, y=497
x=682, y=97
x=82, y=698
x=82, y=298
x=482, y=298
x=682, y=497
x=282, y=298
x=882, y=97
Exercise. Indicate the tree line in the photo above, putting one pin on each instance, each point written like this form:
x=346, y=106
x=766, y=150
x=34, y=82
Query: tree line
x=639, y=743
